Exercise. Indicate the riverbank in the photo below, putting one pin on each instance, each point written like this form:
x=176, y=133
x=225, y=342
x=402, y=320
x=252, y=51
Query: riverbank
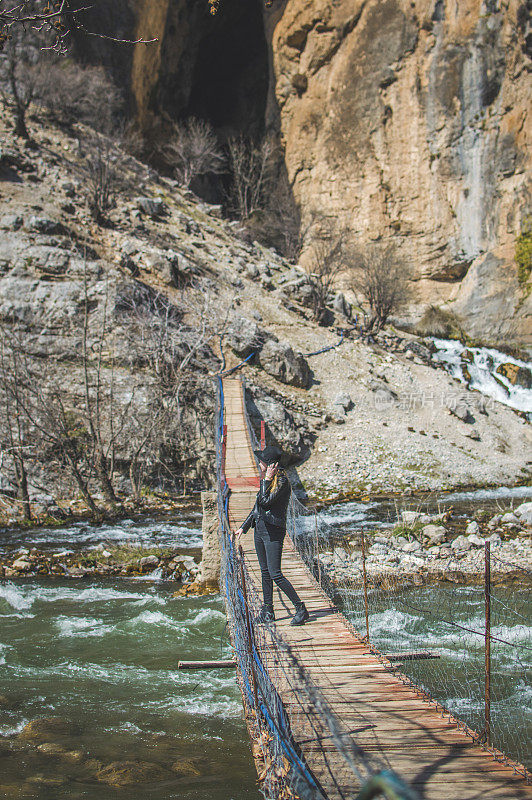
x=47, y=511
x=423, y=548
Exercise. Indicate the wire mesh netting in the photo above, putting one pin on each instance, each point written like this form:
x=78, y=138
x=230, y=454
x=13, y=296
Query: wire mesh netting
x=468, y=647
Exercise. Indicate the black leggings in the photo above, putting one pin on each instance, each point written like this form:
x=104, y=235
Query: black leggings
x=269, y=546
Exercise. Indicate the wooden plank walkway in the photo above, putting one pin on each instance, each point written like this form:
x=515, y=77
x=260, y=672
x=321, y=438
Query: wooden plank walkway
x=385, y=717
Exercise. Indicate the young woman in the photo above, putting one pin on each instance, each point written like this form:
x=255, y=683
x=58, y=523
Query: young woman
x=268, y=517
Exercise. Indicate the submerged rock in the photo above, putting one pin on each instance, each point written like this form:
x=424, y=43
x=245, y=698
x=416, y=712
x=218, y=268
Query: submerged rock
x=185, y=769
x=48, y=729
x=129, y=773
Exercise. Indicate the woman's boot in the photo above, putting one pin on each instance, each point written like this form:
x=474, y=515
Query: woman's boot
x=301, y=615
x=266, y=614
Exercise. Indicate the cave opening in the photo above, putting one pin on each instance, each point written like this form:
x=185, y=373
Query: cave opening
x=229, y=81
x=215, y=68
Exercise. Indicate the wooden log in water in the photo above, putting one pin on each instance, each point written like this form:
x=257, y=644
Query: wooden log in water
x=412, y=655
x=223, y=664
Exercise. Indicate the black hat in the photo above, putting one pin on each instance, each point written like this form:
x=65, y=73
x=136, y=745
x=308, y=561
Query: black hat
x=270, y=455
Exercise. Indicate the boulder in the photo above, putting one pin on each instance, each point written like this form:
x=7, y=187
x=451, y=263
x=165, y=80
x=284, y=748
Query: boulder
x=11, y=222
x=494, y=539
x=151, y=206
x=290, y=434
x=410, y=517
x=340, y=304
x=21, y=565
x=185, y=769
x=384, y=396
x=281, y=362
x=245, y=337
x=509, y=519
x=524, y=513
x=462, y=412
x=411, y=547
x=472, y=527
x=475, y=540
x=343, y=400
x=436, y=534
x=149, y=562
x=517, y=375
x=44, y=225
x=460, y=544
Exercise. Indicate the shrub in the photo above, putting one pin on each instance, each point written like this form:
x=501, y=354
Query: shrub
x=193, y=150
x=72, y=93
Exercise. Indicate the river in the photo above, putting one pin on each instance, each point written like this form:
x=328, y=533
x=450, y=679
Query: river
x=101, y=657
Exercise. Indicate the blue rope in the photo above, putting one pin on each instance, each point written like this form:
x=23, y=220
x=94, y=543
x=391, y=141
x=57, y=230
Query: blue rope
x=326, y=349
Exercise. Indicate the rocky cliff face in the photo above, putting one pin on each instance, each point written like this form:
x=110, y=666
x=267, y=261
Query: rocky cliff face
x=404, y=119
x=408, y=121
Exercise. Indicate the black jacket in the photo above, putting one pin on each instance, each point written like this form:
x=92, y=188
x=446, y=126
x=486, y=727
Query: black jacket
x=270, y=506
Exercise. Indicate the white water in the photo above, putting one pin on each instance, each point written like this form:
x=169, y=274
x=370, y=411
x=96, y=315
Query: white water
x=483, y=370
x=184, y=533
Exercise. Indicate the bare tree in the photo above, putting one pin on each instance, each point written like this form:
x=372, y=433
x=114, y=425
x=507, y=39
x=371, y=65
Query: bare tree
x=328, y=258
x=54, y=19
x=18, y=77
x=253, y=168
x=381, y=283
x=193, y=150
x=14, y=429
x=101, y=169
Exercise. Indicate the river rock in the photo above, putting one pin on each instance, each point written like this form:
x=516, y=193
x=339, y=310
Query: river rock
x=48, y=729
x=460, y=544
x=516, y=375
x=472, y=527
x=436, y=534
x=524, y=512
x=21, y=565
x=509, y=519
x=149, y=562
x=495, y=540
x=411, y=547
x=475, y=540
x=129, y=773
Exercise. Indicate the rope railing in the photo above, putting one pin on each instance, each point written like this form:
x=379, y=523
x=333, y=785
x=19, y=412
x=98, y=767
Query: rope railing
x=268, y=666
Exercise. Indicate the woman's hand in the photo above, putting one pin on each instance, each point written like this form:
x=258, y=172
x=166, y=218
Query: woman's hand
x=236, y=535
x=271, y=471
x=262, y=470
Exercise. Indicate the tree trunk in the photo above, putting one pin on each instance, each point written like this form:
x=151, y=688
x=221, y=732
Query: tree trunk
x=22, y=487
x=81, y=483
x=105, y=481
x=20, y=123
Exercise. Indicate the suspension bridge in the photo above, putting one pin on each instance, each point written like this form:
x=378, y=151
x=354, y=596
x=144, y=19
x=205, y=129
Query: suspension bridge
x=329, y=716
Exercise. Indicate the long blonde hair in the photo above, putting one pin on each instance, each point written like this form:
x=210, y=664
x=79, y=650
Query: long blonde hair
x=275, y=480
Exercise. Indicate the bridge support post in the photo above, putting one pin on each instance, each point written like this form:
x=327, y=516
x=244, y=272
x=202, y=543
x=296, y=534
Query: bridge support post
x=211, y=555
x=487, y=643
